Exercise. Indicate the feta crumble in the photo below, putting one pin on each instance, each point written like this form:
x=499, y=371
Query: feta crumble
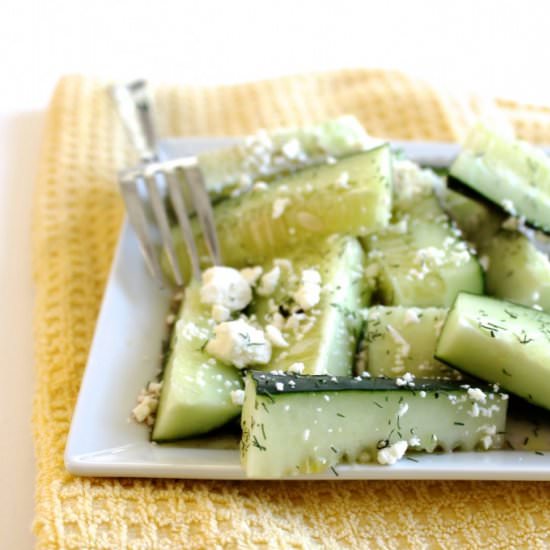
x=148, y=400
x=411, y=317
x=296, y=368
x=269, y=282
x=275, y=336
x=240, y=344
x=477, y=395
x=225, y=286
x=393, y=453
x=279, y=206
x=309, y=293
x=220, y=313
x=252, y=274
x=237, y=397
x=343, y=180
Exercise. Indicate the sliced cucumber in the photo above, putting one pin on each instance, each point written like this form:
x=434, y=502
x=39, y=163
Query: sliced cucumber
x=517, y=271
x=477, y=220
x=422, y=259
x=508, y=172
x=264, y=155
x=196, y=389
x=499, y=342
x=351, y=196
x=401, y=340
x=306, y=424
x=323, y=338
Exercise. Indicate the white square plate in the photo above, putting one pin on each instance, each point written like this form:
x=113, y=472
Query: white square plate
x=124, y=356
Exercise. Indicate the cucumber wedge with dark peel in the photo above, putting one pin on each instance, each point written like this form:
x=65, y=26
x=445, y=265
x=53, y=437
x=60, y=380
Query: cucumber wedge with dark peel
x=309, y=424
x=508, y=172
x=500, y=342
x=351, y=196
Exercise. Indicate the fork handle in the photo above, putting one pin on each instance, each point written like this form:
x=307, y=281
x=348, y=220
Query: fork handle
x=135, y=109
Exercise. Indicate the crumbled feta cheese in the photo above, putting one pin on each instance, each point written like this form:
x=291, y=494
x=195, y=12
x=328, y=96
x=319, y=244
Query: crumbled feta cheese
x=269, y=282
x=260, y=186
x=148, y=400
x=252, y=274
x=484, y=262
x=309, y=292
x=475, y=410
x=403, y=408
x=220, y=313
x=411, y=181
x=311, y=276
x=477, y=395
x=393, y=453
x=411, y=316
x=406, y=380
x=292, y=149
x=226, y=287
x=275, y=337
x=237, y=397
x=279, y=386
x=414, y=441
x=296, y=368
x=279, y=206
x=509, y=206
x=343, y=180
x=240, y=344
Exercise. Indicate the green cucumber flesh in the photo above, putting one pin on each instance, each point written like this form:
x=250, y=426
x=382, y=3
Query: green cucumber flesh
x=511, y=173
x=196, y=389
x=309, y=424
x=478, y=221
x=325, y=338
x=401, y=340
x=422, y=259
x=312, y=203
x=517, y=271
x=499, y=342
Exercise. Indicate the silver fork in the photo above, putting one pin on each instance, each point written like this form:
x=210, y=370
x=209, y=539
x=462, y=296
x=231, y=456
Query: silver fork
x=147, y=187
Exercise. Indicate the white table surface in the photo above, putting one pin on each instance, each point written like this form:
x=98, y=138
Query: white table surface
x=492, y=46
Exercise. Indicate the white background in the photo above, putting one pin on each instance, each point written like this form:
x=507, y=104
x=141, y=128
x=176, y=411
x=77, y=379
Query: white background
x=489, y=46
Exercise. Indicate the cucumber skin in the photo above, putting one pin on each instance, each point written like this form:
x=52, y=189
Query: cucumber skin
x=504, y=374
x=319, y=422
x=266, y=384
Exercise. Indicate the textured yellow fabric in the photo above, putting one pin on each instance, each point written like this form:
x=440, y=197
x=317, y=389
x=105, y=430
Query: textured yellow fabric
x=76, y=221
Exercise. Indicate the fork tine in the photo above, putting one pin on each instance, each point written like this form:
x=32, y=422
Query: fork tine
x=138, y=220
x=175, y=192
x=152, y=181
x=203, y=207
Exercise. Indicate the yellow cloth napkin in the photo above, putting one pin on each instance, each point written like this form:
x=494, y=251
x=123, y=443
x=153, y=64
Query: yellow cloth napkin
x=77, y=215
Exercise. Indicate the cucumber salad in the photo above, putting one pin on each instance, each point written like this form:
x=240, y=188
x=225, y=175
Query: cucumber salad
x=369, y=309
